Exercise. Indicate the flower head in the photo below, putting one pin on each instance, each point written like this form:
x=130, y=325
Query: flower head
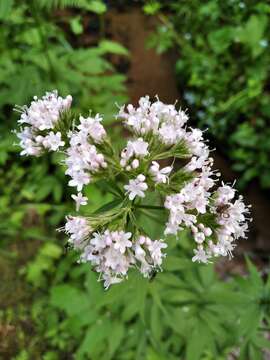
x=136, y=187
x=42, y=115
x=113, y=239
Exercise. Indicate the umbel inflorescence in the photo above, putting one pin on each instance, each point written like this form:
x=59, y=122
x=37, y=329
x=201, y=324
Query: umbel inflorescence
x=163, y=156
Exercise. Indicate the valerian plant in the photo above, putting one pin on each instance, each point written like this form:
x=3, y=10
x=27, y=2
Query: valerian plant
x=164, y=161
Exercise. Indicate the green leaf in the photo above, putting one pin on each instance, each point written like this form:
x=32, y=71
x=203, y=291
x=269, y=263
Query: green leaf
x=221, y=39
x=95, y=336
x=152, y=7
x=97, y=7
x=118, y=332
x=253, y=32
x=109, y=46
x=156, y=323
x=69, y=298
x=262, y=342
x=255, y=276
x=250, y=320
x=207, y=275
x=197, y=341
x=109, y=206
x=5, y=8
x=172, y=263
x=76, y=25
x=179, y=296
x=51, y=250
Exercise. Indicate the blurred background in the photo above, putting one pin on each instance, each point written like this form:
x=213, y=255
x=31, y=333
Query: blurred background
x=213, y=58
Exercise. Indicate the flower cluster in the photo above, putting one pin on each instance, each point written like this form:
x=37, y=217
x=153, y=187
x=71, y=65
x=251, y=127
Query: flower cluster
x=144, y=178
x=41, y=118
x=112, y=253
x=83, y=159
x=158, y=118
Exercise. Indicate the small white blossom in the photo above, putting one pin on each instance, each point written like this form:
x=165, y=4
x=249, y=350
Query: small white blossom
x=53, y=141
x=82, y=160
x=79, y=229
x=136, y=187
x=93, y=128
x=79, y=200
x=155, y=251
x=160, y=175
x=200, y=255
x=122, y=242
x=136, y=148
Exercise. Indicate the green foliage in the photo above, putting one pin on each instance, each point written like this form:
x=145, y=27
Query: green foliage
x=224, y=74
x=37, y=57
x=185, y=312
x=96, y=6
x=29, y=195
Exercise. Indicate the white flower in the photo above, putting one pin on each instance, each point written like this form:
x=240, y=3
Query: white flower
x=136, y=187
x=137, y=148
x=224, y=194
x=112, y=258
x=98, y=241
x=28, y=143
x=158, y=118
x=155, y=251
x=199, y=237
x=79, y=200
x=82, y=160
x=121, y=241
x=93, y=128
x=160, y=175
x=135, y=164
x=79, y=179
x=78, y=229
x=170, y=133
x=110, y=280
x=200, y=255
x=43, y=113
x=53, y=141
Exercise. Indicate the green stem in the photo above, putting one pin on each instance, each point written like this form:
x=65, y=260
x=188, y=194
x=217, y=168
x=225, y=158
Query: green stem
x=150, y=207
